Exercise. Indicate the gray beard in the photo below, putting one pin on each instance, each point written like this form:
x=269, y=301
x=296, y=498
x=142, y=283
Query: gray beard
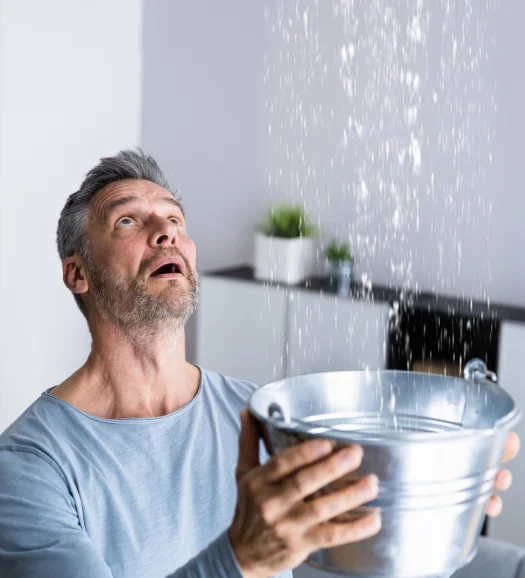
x=131, y=307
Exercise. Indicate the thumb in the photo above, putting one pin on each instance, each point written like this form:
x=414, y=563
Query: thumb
x=248, y=445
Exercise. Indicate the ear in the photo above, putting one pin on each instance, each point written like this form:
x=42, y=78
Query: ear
x=74, y=274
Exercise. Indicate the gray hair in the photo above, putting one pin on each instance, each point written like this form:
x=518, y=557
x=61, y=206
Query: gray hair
x=72, y=224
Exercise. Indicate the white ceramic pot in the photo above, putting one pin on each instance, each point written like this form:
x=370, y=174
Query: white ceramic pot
x=283, y=260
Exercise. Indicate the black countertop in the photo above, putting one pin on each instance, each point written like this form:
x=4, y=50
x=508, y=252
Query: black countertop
x=459, y=306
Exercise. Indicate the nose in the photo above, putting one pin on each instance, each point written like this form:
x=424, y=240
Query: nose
x=163, y=232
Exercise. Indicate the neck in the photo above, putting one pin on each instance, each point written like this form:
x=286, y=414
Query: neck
x=133, y=375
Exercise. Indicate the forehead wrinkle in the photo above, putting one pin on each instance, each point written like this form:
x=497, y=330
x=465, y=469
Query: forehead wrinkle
x=108, y=207
x=128, y=199
x=103, y=210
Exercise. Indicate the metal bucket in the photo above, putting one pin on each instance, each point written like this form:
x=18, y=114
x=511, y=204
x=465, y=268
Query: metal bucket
x=435, y=442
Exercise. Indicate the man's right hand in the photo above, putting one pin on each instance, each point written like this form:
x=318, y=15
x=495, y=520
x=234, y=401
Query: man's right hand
x=274, y=527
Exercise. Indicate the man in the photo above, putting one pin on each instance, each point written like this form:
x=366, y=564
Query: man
x=128, y=468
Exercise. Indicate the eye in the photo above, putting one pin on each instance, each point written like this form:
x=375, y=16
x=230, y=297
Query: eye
x=175, y=220
x=124, y=221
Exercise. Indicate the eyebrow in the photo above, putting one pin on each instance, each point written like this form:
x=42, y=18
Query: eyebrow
x=112, y=205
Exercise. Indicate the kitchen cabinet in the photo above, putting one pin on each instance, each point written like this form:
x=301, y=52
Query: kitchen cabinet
x=510, y=525
x=241, y=328
x=263, y=332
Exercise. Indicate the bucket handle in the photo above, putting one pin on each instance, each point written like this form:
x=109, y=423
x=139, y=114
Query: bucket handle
x=275, y=411
x=277, y=414
x=476, y=370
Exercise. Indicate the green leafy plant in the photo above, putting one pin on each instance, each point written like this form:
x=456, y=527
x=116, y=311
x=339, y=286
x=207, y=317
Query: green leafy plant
x=287, y=221
x=339, y=252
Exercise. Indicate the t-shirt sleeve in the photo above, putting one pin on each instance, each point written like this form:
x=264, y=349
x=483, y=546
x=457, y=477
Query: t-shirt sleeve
x=40, y=534
x=217, y=560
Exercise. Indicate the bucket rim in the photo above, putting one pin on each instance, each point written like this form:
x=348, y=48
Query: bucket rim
x=303, y=428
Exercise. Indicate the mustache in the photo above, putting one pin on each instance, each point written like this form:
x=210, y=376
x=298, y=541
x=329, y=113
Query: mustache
x=146, y=264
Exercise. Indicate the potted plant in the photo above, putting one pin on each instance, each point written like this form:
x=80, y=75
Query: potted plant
x=285, y=245
x=340, y=264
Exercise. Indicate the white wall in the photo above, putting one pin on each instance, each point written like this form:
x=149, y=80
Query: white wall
x=202, y=120
x=70, y=92
x=202, y=117
x=207, y=109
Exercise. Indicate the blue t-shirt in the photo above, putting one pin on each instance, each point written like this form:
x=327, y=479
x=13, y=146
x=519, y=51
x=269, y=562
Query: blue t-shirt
x=89, y=497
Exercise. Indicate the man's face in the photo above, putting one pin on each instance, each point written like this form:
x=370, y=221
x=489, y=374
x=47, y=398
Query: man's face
x=143, y=264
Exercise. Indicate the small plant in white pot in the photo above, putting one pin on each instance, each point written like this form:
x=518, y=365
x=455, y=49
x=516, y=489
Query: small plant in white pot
x=285, y=245
x=340, y=265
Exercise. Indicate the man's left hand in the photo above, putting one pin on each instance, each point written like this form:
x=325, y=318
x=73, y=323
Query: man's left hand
x=504, y=477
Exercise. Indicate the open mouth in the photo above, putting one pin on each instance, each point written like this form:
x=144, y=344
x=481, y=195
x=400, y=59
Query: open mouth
x=168, y=269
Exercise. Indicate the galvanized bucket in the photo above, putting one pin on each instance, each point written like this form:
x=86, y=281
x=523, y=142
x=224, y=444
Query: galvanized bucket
x=435, y=442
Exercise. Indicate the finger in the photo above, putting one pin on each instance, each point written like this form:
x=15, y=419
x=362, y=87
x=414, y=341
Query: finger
x=296, y=457
x=336, y=534
x=324, y=508
x=512, y=447
x=283, y=497
x=503, y=481
x=310, y=479
x=248, y=445
x=494, y=507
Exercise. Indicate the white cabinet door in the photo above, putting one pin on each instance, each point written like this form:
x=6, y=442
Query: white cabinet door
x=510, y=525
x=330, y=333
x=241, y=328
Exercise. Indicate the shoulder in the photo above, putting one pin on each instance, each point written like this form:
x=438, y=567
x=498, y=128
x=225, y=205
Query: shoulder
x=19, y=462
x=31, y=483
x=36, y=437
x=233, y=392
x=230, y=384
x=29, y=426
